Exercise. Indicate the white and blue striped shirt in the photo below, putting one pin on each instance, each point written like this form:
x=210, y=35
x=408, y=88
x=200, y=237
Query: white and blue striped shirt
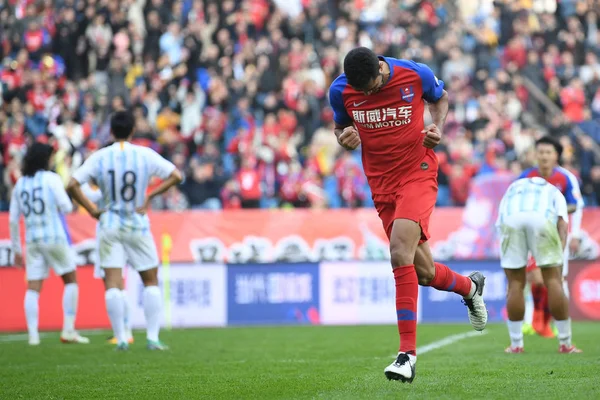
x=42, y=200
x=534, y=196
x=122, y=172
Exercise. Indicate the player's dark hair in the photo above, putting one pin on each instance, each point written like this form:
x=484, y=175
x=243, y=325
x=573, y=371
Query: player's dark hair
x=122, y=124
x=361, y=66
x=36, y=159
x=551, y=141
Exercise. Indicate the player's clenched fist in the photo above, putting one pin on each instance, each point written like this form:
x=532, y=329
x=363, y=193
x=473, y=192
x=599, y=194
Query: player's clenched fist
x=433, y=136
x=349, y=138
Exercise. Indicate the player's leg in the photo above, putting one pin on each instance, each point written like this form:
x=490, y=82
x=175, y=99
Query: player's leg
x=404, y=240
x=36, y=270
x=62, y=259
x=142, y=255
x=112, y=258
x=126, y=311
x=441, y=277
x=70, y=300
x=515, y=307
x=32, y=309
x=513, y=259
x=549, y=255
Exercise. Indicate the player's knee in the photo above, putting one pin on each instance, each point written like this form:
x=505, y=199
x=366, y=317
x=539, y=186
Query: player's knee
x=69, y=277
x=150, y=277
x=425, y=276
x=36, y=286
x=401, y=255
x=425, y=270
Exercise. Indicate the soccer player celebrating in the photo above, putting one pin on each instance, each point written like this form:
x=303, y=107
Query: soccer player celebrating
x=40, y=197
x=378, y=103
x=548, y=153
x=533, y=218
x=122, y=172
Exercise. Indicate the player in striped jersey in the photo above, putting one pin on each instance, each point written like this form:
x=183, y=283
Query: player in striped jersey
x=533, y=218
x=40, y=197
x=548, y=154
x=92, y=192
x=122, y=171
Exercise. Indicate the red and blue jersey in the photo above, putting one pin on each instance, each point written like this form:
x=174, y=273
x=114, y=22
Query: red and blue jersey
x=568, y=185
x=390, y=121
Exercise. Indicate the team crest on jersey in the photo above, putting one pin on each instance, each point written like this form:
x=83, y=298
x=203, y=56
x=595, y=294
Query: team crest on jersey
x=407, y=93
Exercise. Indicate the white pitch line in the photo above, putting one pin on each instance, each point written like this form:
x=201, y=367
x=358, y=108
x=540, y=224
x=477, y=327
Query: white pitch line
x=20, y=337
x=447, y=341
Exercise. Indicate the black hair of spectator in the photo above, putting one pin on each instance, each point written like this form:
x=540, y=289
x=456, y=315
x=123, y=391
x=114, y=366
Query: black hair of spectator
x=122, y=124
x=553, y=142
x=361, y=67
x=36, y=159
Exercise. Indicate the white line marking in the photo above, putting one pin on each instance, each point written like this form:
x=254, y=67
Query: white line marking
x=20, y=337
x=447, y=341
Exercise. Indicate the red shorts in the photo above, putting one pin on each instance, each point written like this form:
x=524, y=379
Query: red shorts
x=414, y=200
x=531, y=265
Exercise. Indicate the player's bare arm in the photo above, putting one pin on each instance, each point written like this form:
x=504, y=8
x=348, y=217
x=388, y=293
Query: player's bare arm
x=433, y=132
x=347, y=136
x=74, y=190
x=563, y=231
x=174, y=179
x=571, y=208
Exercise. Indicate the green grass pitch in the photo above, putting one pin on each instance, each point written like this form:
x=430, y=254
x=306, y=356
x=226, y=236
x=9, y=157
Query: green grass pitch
x=308, y=362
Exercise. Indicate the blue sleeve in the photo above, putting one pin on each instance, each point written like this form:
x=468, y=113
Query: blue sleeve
x=569, y=192
x=524, y=174
x=340, y=115
x=433, y=88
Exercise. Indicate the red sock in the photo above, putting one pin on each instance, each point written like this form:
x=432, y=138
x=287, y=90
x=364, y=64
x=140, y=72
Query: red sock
x=540, y=296
x=407, y=292
x=449, y=281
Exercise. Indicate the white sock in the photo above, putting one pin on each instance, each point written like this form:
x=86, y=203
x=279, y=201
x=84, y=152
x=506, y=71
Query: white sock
x=126, y=321
x=152, y=311
x=515, y=330
x=70, y=298
x=564, y=331
x=114, y=307
x=32, y=312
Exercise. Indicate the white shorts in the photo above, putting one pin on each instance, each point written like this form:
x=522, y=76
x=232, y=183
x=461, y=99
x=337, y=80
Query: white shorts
x=522, y=233
x=116, y=249
x=40, y=257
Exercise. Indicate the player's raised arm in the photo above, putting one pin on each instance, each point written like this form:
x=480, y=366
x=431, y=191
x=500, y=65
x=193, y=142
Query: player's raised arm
x=83, y=175
x=345, y=132
x=437, y=97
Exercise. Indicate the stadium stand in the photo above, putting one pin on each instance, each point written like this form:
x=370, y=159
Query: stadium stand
x=234, y=92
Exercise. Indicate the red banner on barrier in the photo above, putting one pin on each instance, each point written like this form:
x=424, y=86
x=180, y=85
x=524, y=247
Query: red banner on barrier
x=305, y=235
x=91, y=312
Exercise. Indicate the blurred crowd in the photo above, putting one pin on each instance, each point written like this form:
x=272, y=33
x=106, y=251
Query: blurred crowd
x=234, y=92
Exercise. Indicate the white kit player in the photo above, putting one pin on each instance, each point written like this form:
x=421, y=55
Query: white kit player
x=40, y=197
x=122, y=171
x=533, y=218
x=92, y=192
